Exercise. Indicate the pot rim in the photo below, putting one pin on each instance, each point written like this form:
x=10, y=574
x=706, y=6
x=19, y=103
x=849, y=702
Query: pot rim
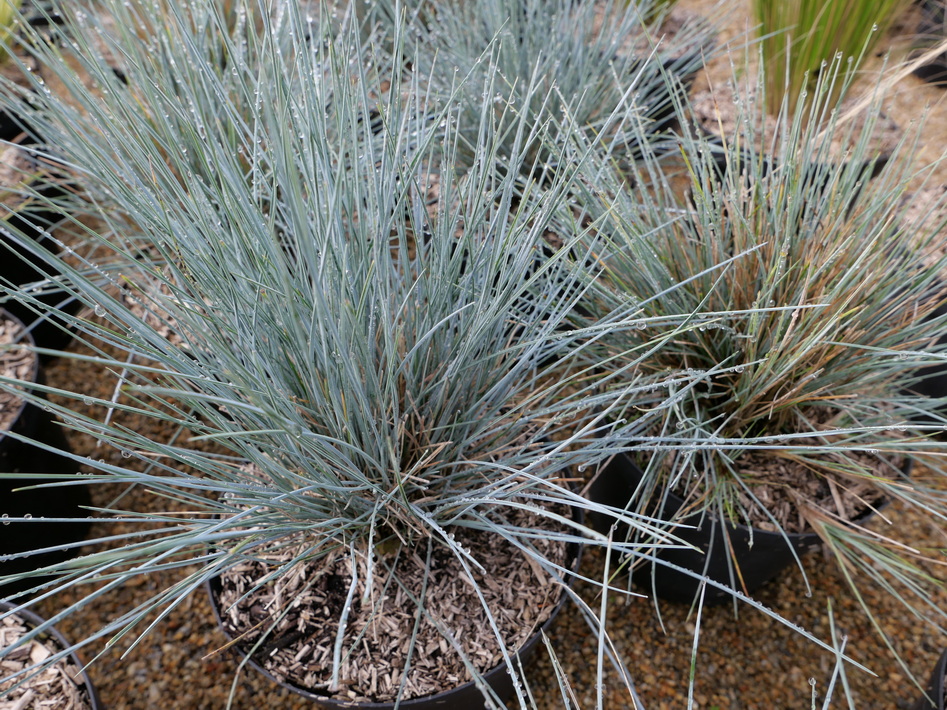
x=33, y=619
x=675, y=502
x=937, y=685
x=933, y=695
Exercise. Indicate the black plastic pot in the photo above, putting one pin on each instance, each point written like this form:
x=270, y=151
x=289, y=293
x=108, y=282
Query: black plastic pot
x=932, y=380
x=11, y=126
x=17, y=265
x=933, y=26
x=659, y=108
x=463, y=697
x=935, y=697
x=18, y=457
x=760, y=555
x=33, y=620
x=20, y=268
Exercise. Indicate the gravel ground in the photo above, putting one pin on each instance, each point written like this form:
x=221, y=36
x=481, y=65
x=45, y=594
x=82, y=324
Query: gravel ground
x=744, y=660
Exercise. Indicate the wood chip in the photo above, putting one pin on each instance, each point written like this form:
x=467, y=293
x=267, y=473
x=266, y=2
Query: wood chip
x=54, y=687
x=39, y=653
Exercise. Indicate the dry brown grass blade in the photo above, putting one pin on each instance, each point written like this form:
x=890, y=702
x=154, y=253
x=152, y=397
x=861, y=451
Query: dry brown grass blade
x=887, y=83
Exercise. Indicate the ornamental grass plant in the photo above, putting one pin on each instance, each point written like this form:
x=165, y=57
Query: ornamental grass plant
x=8, y=16
x=599, y=67
x=654, y=13
x=806, y=410
x=358, y=376
x=801, y=39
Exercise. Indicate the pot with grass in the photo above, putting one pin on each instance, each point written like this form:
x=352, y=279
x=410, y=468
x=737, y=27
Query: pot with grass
x=26, y=640
x=757, y=553
x=373, y=436
x=270, y=659
x=795, y=426
x=799, y=39
x=594, y=68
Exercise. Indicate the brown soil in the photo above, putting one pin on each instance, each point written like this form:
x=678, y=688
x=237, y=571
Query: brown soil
x=377, y=646
x=60, y=686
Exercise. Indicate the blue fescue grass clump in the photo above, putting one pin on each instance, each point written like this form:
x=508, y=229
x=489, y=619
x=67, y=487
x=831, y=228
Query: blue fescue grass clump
x=816, y=306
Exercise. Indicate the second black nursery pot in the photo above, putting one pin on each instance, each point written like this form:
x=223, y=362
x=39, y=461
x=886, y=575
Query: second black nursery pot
x=932, y=379
x=18, y=460
x=759, y=554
